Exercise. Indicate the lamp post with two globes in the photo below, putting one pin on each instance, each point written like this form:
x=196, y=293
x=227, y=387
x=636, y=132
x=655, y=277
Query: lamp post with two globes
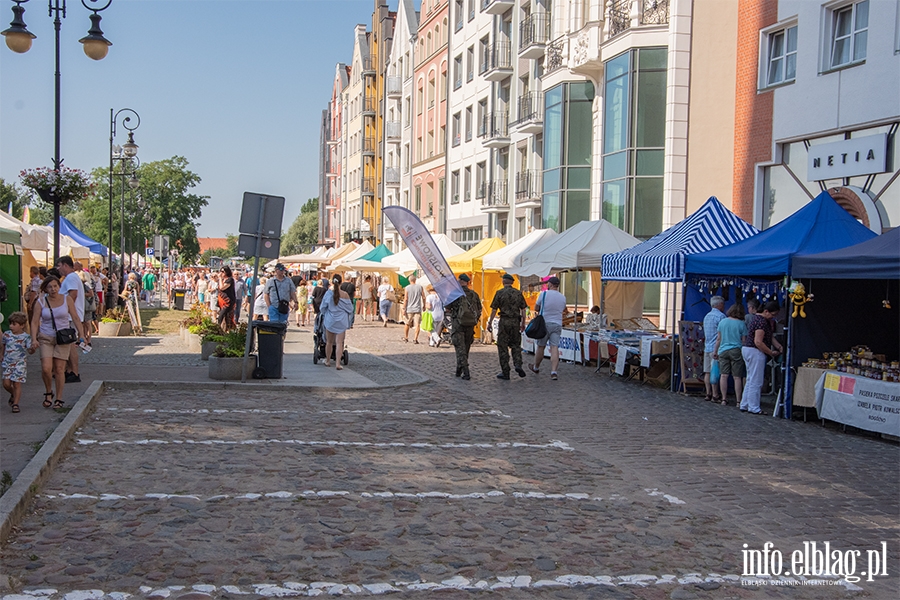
x=18, y=39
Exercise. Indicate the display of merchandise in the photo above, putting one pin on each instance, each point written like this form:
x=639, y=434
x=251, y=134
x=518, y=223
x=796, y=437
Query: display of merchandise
x=861, y=361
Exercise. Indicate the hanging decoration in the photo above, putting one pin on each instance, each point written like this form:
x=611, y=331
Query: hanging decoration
x=886, y=303
x=798, y=297
x=748, y=288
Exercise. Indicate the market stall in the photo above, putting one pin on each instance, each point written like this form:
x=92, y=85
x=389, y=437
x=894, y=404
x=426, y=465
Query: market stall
x=662, y=257
x=11, y=270
x=760, y=265
x=405, y=263
x=853, y=287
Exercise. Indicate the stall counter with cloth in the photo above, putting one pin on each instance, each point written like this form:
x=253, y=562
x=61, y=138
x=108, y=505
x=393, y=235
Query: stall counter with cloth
x=868, y=404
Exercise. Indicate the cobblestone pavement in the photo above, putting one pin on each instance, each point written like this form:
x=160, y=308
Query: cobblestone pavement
x=586, y=487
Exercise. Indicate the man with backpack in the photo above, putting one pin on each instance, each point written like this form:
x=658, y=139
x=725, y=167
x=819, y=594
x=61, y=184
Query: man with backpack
x=465, y=314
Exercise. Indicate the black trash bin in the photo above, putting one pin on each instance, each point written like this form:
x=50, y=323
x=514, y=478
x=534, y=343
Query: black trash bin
x=269, y=348
x=179, y=298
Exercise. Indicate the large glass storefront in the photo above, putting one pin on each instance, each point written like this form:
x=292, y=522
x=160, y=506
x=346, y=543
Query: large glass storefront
x=634, y=126
x=568, y=130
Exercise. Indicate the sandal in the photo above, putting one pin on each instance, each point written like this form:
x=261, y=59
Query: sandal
x=48, y=402
x=15, y=408
x=339, y=368
x=57, y=404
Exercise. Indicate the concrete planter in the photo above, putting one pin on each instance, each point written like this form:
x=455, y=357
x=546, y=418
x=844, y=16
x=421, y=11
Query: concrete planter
x=207, y=348
x=193, y=342
x=229, y=369
x=114, y=329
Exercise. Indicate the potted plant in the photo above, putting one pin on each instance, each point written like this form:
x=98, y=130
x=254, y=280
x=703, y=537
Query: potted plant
x=227, y=360
x=115, y=322
x=211, y=335
x=193, y=320
x=58, y=186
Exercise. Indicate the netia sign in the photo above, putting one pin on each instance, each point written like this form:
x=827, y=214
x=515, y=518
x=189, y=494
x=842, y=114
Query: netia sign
x=848, y=158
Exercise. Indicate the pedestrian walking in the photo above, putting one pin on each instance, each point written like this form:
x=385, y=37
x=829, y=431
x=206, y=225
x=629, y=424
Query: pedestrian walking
x=759, y=344
x=465, y=314
x=54, y=311
x=552, y=305
x=729, y=339
x=413, y=298
x=435, y=306
x=16, y=345
x=73, y=287
x=710, y=329
x=239, y=293
x=226, y=300
x=367, y=293
x=259, y=308
x=302, y=304
x=280, y=295
x=386, y=298
x=337, y=311
x=511, y=305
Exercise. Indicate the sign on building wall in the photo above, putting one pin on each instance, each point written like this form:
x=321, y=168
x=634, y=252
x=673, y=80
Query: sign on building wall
x=848, y=158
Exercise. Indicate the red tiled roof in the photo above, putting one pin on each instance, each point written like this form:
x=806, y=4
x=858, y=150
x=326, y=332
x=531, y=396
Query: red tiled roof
x=207, y=243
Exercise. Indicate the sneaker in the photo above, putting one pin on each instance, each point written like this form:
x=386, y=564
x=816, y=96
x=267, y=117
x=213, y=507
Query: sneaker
x=520, y=371
x=533, y=370
x=554, y=376
x=503, y=376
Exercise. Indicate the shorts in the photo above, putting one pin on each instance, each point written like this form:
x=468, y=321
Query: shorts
x=552, y=337
x=414, y=319
x=707, y=362
x=50, y=349
x=385, y=306
x=731, y=362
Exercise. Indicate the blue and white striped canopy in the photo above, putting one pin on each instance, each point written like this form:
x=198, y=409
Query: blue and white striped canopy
x=661, y=258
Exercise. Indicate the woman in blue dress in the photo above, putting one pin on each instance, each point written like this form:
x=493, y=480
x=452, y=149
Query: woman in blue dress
x=337, y=308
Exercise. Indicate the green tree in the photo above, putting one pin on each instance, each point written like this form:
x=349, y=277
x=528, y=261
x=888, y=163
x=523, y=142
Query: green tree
x=163, y=204
x=304, y=231
x=20, y=197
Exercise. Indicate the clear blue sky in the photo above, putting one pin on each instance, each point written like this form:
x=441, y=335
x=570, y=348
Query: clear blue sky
x=235, y=86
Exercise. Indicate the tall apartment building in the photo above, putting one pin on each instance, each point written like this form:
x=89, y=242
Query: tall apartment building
x=332, y=181
x=429, y=117
x=818, y=108
x=398, y=125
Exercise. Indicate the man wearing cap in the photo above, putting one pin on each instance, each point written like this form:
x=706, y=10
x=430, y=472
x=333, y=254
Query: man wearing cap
x=463, y=334
x=281, y=295
x=552, y=304
x=511, y=304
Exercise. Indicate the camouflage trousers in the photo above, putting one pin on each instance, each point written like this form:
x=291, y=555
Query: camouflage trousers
x=509, y=338
x=462, y=338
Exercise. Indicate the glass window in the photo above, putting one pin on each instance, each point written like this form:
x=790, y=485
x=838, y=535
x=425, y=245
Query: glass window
x=578, y=207
x=550, y=211
x=782, y=56
x=578, y=178
x=580, y=133
x=650, y=121
x=615, y=165
x=849, y=34
x=552, y=180
x=615, y=197
x=652, y=58
x=649, y=162
x=648, y=206
x=615, y=115
x=553, y=128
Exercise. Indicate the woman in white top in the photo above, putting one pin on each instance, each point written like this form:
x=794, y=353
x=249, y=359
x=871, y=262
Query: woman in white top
x=53, y=311
x=384, y=290
x=260, y=310
x=435, y=306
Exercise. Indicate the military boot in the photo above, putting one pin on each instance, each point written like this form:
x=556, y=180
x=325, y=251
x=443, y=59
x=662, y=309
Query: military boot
x=465, y=373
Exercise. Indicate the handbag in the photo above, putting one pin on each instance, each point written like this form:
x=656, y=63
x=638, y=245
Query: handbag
x=537, y=328
x=427, y=321
x=390, y=296
x=63, y=336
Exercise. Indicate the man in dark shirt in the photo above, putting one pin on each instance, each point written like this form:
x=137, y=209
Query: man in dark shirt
x=511, y=304
x=319, y=293
x=350, y=287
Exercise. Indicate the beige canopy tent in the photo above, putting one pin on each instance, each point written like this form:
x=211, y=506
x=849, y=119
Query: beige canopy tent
x=404, y=262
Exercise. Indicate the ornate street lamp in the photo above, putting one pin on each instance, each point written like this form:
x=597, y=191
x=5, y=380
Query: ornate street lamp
x=18, y=39
x=122, y=153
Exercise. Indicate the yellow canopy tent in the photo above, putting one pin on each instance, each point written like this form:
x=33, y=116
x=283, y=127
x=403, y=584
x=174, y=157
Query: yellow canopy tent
x=486, y=283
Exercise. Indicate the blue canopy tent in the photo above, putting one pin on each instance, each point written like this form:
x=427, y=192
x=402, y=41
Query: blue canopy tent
x=820, y=226
x=66, y=227
x=850, y=286
x=661, y=258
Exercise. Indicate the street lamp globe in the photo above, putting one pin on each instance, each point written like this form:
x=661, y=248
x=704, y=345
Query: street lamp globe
x=129, y=148
x=133, y=182
x=18, y=38
x=95, y=45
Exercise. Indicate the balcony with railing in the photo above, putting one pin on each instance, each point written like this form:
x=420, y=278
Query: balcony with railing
x=368, y=66
x=528, y=189
x=368, y=186
x=370, y=102
x=368, y=148
x=497, y=64
x=392, y=130
x=530, y=115
x=496, y=130
x=534, y=33
x=555, y=55
x=623, y=15
x=496, y=7
x=392, y=176
x=393, y=86
x=497, y=198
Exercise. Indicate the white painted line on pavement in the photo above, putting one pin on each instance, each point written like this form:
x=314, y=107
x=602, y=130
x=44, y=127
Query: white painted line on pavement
x=262, y=411
x=555, y=444
x=457, y=582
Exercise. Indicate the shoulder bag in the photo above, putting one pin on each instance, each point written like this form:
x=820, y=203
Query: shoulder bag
x=537, y=328
x=63, y=336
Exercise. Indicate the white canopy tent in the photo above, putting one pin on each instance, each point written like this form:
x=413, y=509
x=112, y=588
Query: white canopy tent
x=510, y=256
x=360, y=251
x=404, y=262
x=34, y=237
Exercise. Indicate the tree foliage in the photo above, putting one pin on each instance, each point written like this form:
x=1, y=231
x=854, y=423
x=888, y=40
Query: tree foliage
x=19, y=198
x=164, y=204
x=304, y=231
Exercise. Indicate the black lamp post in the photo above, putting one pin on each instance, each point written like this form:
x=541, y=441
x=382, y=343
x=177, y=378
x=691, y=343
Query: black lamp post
x=18, y=39
x=133, y=183
x=123, y=153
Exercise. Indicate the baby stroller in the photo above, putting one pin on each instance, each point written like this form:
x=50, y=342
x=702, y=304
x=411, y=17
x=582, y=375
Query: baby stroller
x=319, y=343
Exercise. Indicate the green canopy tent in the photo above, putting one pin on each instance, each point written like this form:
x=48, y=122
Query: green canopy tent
x=11, y=270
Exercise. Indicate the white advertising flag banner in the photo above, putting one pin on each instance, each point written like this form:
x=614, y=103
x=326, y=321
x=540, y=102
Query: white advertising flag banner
x=423, y=247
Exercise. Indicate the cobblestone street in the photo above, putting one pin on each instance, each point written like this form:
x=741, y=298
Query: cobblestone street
x=586, y=487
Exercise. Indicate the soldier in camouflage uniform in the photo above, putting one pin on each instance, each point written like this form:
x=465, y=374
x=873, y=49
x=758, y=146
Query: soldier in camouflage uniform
x=511, y=304
x=462, y=336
